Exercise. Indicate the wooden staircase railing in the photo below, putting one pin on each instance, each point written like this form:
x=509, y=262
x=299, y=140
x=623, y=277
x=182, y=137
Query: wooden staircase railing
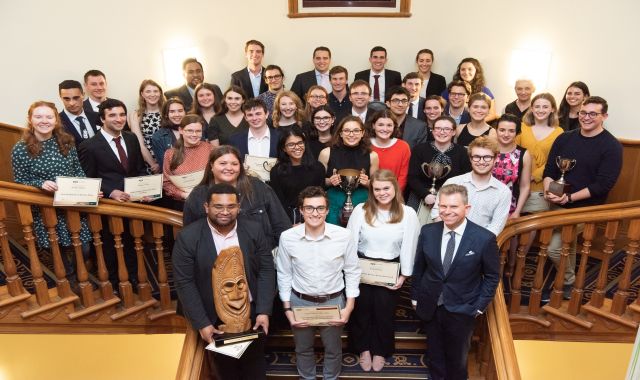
x=609, y=231
x=61, y=309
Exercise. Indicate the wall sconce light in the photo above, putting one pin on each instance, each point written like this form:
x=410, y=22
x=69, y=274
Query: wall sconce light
x=530, y=64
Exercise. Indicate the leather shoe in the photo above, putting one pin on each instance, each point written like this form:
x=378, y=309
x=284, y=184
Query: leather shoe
x=365, y=361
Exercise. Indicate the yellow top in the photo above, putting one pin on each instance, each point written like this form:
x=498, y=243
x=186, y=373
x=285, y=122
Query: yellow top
x=539, y=152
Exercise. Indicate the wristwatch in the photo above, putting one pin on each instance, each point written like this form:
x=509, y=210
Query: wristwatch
x=569, y=200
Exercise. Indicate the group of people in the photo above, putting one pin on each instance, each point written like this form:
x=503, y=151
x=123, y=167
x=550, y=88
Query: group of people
x=388, y=129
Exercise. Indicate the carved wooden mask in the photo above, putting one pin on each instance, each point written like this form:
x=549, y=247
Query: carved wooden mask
x=231, y=291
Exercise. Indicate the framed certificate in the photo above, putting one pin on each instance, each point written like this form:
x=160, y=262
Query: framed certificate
x=144, y=186
x=186, y=182
x=259, y=166
x=75, y=191
x=316, y=315
x=377, y=272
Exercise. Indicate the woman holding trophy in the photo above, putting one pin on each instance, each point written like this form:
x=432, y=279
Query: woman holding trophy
x=349, y=161
x=386, y=232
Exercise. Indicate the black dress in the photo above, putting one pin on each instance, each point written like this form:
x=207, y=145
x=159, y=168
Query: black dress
x=288, y=181
x=345, y=158
x=466, y=138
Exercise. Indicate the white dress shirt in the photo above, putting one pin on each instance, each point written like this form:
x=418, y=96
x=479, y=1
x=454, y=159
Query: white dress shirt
x=224, y=241
x=317, y=266
x=490, y=203
x=112, y=144
x=76, y=123
x=362, y=116
x=381, y=81
x=445, y=239
x=259, y=146
x=94, y=104
x=322, y=79
x=384, y=240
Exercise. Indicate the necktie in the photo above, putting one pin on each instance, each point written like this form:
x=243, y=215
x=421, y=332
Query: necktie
x=123, y=156
x=83, y=127
x=448, y=253
x=376, y=88
x=410, y=111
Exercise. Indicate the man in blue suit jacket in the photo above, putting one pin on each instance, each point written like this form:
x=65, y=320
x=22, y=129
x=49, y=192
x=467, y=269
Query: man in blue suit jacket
x=318, y=76
x=264, y=140
x=455, y=276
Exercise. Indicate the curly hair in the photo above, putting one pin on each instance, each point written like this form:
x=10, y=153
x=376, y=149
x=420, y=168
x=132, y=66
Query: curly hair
x=478, y=82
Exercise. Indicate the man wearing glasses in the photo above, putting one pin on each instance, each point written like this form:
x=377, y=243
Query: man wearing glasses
x=359, y=94
x=274, y=78
x=410, y=129
x=489, y=198
x=194, y=255
x=598, y=161
x=317, y=265
x=457, y=105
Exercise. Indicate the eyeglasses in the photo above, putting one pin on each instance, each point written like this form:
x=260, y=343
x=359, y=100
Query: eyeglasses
x=220, y=208
x=456, y=94
x=476, y=158
x=351, y=131
x=318, y=96
x=311, y=209
x=589, y=115
x=322, y=118
x=399, y=101
x=273, y=77
x=441, y=129
x=192, y=132
x=292, y=145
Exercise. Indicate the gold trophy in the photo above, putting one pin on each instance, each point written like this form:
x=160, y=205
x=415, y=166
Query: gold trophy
x=349, y=180
x=561, y=186
x=435, y=171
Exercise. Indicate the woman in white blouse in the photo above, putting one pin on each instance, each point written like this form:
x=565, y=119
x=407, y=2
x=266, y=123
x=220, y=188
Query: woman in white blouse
x=385, y=230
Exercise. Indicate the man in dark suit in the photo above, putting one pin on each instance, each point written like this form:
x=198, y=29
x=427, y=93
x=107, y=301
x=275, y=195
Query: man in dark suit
x=95, y=85
x=455, y=276
x=79, y=122
x=113, y=154
x=412, y=82
x=411, y=130
x=359, y=95
x=250, y=78
x=193, y=75
x=380, y=79
x=260, y=140
x=194, y=255
x=318, y=76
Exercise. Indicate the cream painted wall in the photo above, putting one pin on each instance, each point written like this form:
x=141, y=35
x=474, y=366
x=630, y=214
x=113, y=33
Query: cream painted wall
x=44, y=42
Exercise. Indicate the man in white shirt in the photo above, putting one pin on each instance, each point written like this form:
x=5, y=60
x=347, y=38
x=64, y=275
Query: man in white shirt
x=413, y=83
x=379, y=78
x=359, y=94
x=317, y=265
x=489, y=198
x=95, y=85
x=318, y=76
x=78, y=122
x=250, y=78
x=260, y=140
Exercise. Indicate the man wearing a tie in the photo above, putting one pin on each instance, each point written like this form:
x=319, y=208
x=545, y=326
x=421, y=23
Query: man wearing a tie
x=455, y=276
x=79, y=123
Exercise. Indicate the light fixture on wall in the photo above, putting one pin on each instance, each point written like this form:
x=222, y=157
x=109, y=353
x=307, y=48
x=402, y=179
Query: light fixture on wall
x=530, y=64
x=173, y=58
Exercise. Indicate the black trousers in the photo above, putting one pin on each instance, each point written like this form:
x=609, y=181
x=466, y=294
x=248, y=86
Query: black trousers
x=371, y=327
x=448, y=342
x=250, y=366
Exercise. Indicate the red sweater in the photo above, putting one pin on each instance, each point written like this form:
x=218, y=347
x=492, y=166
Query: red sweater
x=195, y=159
x=395, y=158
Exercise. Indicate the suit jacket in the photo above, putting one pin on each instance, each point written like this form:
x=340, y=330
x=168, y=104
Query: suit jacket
x=241, y=141
x=183, y=93
x=93, y=122
x=241, y=79
x=421, y=115
x=472, y=279
x=437, y=84
x=99, y=161
x=392, y=78
x=415, y=131
x=194, y=254
x=302, y=82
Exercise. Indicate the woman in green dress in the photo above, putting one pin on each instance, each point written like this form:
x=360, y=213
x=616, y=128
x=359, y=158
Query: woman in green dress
x=45, y=152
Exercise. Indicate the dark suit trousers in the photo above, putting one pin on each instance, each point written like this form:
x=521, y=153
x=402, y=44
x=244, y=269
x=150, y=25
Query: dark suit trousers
x=448, y=342
x=371, y=327
x=250, y=366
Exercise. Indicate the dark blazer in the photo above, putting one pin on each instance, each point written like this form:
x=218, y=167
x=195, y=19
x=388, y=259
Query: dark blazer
x=93, y=122
x=87, y=106
x=421, y=115
x=194, y=254
x=391, y=78
x=437, y=84
x=183, y=93
x=473, y=276
x=241, y=79
x=99, y=161
x=302, y=82
x=241, y=141
x=414, y=132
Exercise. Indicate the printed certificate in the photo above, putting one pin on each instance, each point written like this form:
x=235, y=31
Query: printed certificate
x=186, y=182
x=377, y=272
x=259, y=166
x=75, y=191
x=144, y=186
x=316, y=315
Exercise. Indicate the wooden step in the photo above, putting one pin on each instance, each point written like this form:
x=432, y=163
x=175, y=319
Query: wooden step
x=404, y=341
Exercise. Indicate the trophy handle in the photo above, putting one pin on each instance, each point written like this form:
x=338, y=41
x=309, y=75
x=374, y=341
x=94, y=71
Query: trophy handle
x=425, y=169
x=558, y=161
x=447, y=170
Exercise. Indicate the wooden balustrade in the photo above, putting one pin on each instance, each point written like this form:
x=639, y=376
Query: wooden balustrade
x=63, y=303
x=598, y=235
